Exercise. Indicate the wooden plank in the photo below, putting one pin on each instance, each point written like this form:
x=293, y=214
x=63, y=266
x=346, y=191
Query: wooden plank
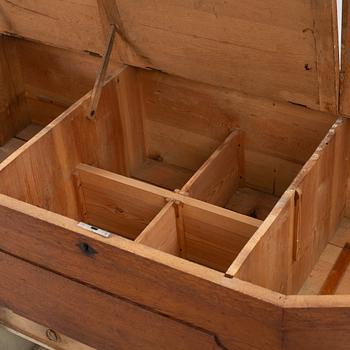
x=37, y=333
x=113, y=205
x=137, y=273
x=220, y=175
x=161, y=233
x=64, y=303
x=162, y=174
x=194, y=118
x=215, y=240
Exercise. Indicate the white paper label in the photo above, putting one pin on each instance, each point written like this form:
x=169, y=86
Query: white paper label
x=94, y=229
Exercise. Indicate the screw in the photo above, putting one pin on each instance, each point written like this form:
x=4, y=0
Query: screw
x=52, y=335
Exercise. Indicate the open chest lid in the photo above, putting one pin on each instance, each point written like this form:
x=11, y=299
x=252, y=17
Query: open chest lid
x=283, y=50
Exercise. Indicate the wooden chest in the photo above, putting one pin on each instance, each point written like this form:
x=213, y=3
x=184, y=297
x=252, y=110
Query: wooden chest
x=204, y=204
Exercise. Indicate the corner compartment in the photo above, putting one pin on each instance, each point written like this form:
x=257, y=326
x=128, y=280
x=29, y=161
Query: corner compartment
x=221, y=181
x=305, y=233
x=38, y=83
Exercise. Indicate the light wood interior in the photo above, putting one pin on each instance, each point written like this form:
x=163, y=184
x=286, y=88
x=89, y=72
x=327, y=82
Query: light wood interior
x=158, y=140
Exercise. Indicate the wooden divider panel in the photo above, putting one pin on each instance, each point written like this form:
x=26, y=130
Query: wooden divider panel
x=214, y=239
x=112, y=204
x=267, y=257
x=161, y=233
x=220, y=175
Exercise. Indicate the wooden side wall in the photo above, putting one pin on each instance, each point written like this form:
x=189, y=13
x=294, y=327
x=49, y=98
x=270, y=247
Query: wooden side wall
x=282, y=253
x=41, y=174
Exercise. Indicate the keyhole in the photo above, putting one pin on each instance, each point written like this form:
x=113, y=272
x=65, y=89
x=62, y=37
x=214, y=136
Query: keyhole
x=86, y=249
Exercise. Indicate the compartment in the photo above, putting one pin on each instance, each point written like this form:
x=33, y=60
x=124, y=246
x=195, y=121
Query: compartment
x=304, y=242
x=221, y=181
x=199, y=234
x=38, y=82
x=192, y=230
x=109, y=202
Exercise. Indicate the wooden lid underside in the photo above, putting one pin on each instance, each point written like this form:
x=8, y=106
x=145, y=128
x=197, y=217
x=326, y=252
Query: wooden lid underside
x=283, y=50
